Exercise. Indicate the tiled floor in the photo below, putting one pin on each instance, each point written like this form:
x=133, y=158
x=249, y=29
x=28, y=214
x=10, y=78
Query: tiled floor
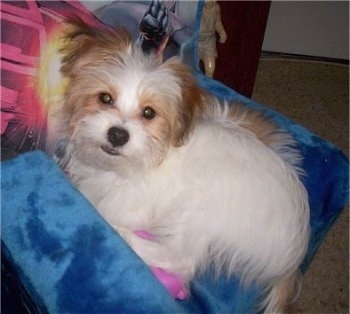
x=316, y=95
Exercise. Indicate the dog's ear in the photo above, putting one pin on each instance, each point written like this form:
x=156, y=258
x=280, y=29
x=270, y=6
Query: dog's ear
x=192, y=100
x=77, y=40
x=83, y=44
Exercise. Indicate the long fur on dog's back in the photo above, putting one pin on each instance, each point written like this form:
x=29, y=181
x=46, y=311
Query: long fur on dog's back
x=283, y=289
x=258, y=123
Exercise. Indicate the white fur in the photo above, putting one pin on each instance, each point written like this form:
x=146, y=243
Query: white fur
x=223, y=199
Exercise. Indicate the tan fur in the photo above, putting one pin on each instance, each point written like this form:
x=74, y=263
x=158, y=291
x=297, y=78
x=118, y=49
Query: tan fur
x=192, y=101
x=285, y=292
x=85, y=45
x=256, y=122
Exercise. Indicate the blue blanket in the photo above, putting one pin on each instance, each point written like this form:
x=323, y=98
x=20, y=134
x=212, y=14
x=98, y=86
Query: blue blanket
x=60, y=256
x=72, y=261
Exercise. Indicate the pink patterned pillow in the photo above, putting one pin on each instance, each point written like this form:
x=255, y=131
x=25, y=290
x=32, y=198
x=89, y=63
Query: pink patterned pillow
x=26, y=28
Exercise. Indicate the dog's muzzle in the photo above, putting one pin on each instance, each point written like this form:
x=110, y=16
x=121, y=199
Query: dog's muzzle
x=118, y=136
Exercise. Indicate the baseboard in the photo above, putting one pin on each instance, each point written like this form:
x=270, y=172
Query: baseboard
x=281, y=55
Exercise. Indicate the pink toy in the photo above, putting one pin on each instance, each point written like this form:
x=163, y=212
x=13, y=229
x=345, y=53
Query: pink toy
x=172, y=282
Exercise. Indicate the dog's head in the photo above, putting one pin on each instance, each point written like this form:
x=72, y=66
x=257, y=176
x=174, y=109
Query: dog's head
x=121, y=104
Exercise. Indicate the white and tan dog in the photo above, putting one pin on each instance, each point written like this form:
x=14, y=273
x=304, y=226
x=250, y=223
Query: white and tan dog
x=216, y=185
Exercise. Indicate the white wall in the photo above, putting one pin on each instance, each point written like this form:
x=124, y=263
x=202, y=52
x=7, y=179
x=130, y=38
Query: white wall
x=314, y=28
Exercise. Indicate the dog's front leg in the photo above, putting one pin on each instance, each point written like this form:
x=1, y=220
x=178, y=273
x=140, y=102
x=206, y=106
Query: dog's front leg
x=152, y=252
x=156, y=256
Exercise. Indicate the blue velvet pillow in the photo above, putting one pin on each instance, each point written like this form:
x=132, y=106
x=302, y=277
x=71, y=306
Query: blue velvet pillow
x=71, y=261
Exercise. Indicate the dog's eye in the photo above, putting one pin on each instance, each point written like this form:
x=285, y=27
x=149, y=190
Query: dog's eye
x=106, y=99
x=148, y=113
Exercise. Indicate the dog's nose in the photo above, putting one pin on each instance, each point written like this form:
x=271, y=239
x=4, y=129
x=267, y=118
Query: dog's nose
x=118, y=136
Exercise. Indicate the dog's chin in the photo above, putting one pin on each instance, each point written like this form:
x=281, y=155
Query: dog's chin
x=110, y=150
x=105, y=157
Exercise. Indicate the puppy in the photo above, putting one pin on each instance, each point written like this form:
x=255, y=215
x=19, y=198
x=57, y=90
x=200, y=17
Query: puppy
x=216, y=185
